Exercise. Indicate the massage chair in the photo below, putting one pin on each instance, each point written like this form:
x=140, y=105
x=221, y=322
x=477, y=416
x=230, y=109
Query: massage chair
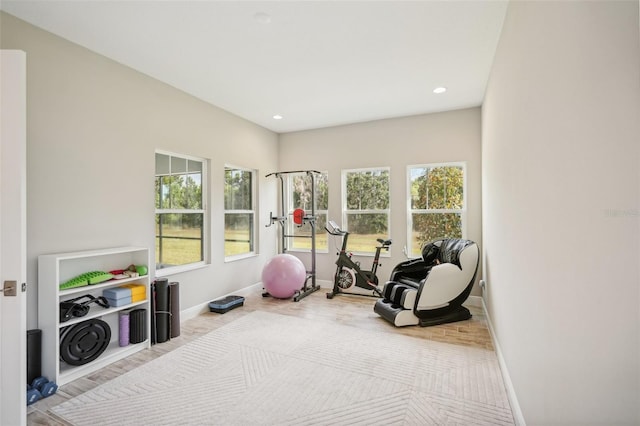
x=431, y=290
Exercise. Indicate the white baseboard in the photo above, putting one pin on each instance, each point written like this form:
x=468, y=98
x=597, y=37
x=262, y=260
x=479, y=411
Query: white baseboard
x=194, y=311
x=475, y=301
x=511, y=393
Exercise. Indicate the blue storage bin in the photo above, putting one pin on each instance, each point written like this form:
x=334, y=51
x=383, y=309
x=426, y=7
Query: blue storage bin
x=117, y=296
x=119, y=302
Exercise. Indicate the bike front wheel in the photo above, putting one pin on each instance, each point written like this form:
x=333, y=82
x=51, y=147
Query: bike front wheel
x=345, y=278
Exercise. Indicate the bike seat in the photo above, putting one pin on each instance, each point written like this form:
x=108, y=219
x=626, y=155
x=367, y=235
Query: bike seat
x=384, y=242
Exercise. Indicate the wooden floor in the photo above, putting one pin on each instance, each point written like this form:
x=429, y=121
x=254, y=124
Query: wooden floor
x=356, y=311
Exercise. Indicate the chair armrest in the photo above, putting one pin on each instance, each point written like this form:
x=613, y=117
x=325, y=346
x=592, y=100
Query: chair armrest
x=443, y=284
x=447, y=281
x=415, y=269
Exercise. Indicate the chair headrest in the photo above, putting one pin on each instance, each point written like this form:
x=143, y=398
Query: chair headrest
x=446, y=250
x=431, y=252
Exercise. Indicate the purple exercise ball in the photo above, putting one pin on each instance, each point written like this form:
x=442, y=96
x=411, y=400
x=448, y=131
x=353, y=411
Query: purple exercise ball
x=283, y=275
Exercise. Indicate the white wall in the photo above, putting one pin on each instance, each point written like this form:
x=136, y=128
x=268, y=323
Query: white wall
x=93, y=127
x=396, y=143
x=561, y=209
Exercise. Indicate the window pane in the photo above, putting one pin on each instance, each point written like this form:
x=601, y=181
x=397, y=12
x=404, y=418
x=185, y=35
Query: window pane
x=238, y=233
x=238, y=190
x=177, y=185
x=301, y=191
x=194, y=166
x=178, y=239
x=158, y=192
x=164, y=191
x=181, y=192
x=418, y=177
x=454, y=188
x=178, y=165
x=365, y=229
x=444, y=188
x=430, y=226
x=322, y=193
x=303, y=234
x=193, y=191
x=162, y=164
x=368, y=190
x=301, y=198
x=437, y=188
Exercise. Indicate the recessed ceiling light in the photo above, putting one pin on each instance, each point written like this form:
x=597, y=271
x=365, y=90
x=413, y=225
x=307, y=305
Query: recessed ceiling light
x=277, y=117
x=262, y=18
x=439, y=90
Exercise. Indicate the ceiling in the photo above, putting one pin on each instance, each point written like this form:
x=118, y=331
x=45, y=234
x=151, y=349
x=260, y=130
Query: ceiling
x=315, y=63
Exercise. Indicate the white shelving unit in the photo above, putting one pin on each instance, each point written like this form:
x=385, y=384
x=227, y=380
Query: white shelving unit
x=54, y=269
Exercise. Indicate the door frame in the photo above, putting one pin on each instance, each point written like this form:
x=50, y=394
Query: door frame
x=13, y=237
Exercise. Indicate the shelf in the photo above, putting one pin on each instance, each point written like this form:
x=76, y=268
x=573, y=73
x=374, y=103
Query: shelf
x=97, y=311
x=105, y=284
x=54, y=269
x=96, y=253
x=113, y=353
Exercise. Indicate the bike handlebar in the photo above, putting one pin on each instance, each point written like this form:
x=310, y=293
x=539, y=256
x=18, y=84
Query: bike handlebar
x=385, y=243
x=336, y=231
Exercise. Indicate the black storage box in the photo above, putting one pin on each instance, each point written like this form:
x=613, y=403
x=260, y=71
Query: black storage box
x=34, y=354
x=225, y=304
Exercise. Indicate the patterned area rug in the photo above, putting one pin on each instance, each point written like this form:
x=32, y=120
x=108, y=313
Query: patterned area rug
x=270, y=369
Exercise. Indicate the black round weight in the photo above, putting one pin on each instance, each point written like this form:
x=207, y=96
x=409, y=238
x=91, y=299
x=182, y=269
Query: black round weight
x=83, y=342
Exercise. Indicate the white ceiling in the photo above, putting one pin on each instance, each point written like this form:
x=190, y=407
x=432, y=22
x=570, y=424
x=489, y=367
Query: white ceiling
x=316, y=63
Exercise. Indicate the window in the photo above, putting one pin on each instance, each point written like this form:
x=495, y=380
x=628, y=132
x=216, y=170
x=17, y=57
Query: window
x=239, y=214
x=180, y=211
x=299, y=192
x=437, y=207
x=365, y=207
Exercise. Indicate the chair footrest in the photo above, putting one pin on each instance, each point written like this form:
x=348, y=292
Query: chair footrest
x=459, y=314
x=400, y=294
x=395, y=314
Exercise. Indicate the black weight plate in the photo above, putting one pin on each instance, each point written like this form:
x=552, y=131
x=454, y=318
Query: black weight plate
x=83, y=342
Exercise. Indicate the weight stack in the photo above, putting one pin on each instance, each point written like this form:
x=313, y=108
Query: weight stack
x=34, y=354
x=174, y=303
x=137, y=325
x=162, y=313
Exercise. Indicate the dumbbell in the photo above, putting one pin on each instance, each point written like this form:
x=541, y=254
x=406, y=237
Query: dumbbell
x=33, y=395
x=40, y=388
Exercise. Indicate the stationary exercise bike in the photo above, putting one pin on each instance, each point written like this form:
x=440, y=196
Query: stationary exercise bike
x=348, y=272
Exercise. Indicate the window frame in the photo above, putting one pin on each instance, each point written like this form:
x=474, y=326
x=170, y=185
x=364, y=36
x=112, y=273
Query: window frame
x=205, y=241
x=290, y=230
x=411, y=211
x=345, y=212
x=254, y=205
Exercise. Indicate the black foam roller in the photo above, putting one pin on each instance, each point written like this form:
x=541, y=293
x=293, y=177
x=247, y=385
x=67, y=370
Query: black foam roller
x=162, y=310
x=137, y=325
x=174, y=303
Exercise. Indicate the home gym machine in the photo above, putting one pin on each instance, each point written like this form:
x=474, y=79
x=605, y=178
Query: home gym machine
x=300, y=218
x=348, y=271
